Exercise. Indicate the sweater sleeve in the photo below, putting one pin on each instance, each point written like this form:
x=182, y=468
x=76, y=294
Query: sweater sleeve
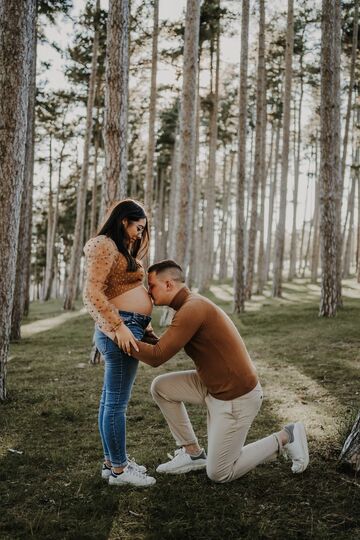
x=100, y=256
x=185, y=324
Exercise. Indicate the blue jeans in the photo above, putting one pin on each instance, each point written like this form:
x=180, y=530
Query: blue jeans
x=120, y=373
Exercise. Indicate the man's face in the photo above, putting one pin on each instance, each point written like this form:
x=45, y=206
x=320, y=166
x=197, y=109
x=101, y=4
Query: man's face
x=158, y=289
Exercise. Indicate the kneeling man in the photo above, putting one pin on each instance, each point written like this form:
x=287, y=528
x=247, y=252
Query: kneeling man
x=224, y=380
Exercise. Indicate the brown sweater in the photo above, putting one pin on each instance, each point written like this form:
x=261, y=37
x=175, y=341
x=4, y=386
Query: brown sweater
x=211, y=340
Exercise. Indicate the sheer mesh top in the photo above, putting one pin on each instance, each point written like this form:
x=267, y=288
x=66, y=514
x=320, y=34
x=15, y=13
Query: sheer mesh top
x=106, y=278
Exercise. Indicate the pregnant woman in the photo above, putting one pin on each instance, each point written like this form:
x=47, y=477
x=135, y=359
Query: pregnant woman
x=115, y=297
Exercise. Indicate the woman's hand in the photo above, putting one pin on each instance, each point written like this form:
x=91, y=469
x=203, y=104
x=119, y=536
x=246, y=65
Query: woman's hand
x=125, y=338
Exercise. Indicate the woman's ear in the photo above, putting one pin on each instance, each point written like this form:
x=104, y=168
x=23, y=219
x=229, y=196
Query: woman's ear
x=125, y=222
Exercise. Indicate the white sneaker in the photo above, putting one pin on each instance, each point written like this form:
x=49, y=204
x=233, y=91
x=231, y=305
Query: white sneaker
x=298, y=449
x=132, y=476
x=182, y=462
x=106, y=471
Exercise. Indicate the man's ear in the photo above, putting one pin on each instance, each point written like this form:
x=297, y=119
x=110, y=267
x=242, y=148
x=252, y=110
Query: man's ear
x=168, y=284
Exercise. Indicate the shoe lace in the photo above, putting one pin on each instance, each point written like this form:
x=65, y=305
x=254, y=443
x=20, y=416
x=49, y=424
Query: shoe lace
x=176, y=453
x=135, y=472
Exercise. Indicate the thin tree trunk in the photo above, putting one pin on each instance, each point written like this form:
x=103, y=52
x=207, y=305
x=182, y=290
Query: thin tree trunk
x=49, y=270
x=239, y=270
x=336, y=32
x=23, y=262
x=351, y=86
x=188, y=128
x=17, y=28
x=77, y=246
x=329, y=176
x=316, y=219
x=116, y=101
x=280, y=230
x=272, y=197
x=258, y=153
x=152, y=112
x=211, y=179
x=293, y=248
x=264, y=170
x=304, y=224
x=348, y=244
x=97, y=136
x=226, y=218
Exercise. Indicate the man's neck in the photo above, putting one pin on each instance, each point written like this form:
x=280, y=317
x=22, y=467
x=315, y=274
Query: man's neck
x=179, y=297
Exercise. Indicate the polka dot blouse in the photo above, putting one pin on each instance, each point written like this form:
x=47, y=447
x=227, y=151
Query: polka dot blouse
x=106, y=278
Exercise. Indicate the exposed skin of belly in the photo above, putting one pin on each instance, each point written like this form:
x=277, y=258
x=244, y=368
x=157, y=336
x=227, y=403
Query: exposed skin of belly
x=136, y=300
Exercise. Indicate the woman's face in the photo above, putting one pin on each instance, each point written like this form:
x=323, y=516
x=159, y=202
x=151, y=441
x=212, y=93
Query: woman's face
x=134, y=229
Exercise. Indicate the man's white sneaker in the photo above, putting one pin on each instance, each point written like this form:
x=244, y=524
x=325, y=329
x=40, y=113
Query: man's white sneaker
x=106, y=471
x=132, y=476
x=182, y=462
x=298, y=450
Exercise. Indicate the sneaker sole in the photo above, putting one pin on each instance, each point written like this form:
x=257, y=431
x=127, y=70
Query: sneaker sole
x=183, y=470
x=304, y=447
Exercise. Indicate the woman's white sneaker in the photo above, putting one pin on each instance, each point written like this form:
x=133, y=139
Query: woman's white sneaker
x=298, y=450
x=106, y=471
x=182, y=462
x=132, y=476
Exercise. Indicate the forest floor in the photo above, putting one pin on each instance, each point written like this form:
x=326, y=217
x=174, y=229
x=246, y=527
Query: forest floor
x=50, y=455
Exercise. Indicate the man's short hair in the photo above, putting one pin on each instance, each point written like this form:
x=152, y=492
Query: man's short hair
x=168, y=265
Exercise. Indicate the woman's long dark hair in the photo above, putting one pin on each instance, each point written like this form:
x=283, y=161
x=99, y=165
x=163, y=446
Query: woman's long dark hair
x=113, y=228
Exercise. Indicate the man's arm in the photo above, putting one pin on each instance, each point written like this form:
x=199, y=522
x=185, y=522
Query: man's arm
x=185, y=324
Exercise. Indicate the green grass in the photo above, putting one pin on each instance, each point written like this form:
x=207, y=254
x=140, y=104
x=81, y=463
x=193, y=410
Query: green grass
x=308, y=366
x=51, y=308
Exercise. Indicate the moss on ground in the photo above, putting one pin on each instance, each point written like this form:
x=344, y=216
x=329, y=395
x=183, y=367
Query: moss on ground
x=308, y=366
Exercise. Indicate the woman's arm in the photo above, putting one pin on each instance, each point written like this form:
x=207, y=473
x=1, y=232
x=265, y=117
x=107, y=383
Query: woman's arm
x=100, y=257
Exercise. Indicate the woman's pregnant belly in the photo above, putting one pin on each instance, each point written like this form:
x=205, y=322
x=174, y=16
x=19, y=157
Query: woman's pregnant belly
x=136, y=300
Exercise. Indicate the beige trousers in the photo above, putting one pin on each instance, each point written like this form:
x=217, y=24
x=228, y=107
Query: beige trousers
x=228, y=423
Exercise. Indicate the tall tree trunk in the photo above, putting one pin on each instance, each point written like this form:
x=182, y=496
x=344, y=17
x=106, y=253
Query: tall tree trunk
x=293, y=248
x=97, y=137
x=116, y=101
x=304, y=224
x=272, y=196
x=228, y=178
x=208, y=246
x=264, y=171
x=23, y=261
x=17, y=27
x=351, y=86
x=188, y=127
x=336, y=32
x=76, y=251
x=196, y=230
x=280, y=230
x=348, y=244
x=239, y=270
x=329, y=174
x=49, y=270
x=152, y=112
x=316, y=219
x=258, y=153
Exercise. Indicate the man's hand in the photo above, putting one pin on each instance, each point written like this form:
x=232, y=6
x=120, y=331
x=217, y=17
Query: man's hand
x=150, y=337
x=125, y=338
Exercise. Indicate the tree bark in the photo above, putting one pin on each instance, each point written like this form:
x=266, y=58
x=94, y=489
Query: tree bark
x=76, y=251
x=208, y=244
x=348, y=243
x=188, y=128
x=350, y=454
x=17, y=27
x=293, y=248
x=23, y=261
x=239, y=270
x=258, y=154
x=116, y=101
x=280, y=230
x=351, y=86
x=329, y=173
x=152, y=113
x=272, y=196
